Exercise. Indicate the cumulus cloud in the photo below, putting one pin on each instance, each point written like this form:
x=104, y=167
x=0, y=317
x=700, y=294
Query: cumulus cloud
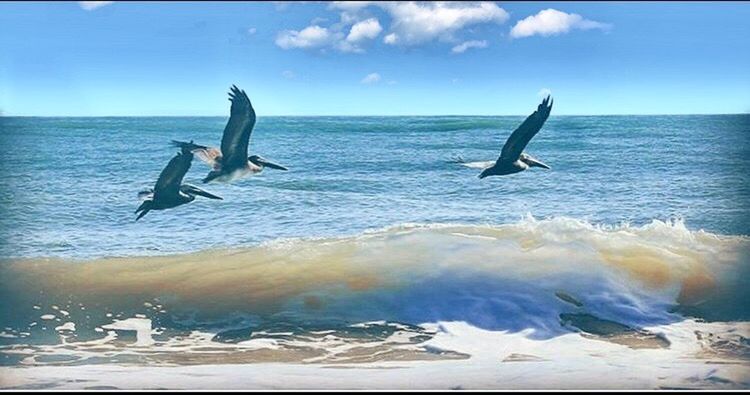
x=411, y=23
x=371, y=78
x=390, y=39
x=310, y=37
x=461, y=48
x=315, y=36
x=367, y=29
x=551, y=22
x=92, y=5
x=414, y=23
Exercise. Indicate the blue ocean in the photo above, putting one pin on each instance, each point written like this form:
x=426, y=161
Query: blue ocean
x=377, y=250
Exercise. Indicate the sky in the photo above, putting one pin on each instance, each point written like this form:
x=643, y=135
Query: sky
x=366, y=58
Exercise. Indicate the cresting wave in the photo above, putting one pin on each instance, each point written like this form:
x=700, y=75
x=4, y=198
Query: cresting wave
x=508, y=277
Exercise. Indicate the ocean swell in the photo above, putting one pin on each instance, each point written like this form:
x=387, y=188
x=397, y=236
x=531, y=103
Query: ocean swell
x=513, y=277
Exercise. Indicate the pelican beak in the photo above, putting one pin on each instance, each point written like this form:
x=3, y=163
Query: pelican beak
x=263, y=162
x=207, y=194
x=191, y=189
x=274, y=166
x=532, y=162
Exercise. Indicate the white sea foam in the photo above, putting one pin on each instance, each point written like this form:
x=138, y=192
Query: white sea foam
x=141, y=326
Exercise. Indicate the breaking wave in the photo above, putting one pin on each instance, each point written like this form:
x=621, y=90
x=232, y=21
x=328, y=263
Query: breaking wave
x=508, y=277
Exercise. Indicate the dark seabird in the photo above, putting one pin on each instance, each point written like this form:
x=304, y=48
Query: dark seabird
x=169, y=190
x=512, y=158
x=232, y=162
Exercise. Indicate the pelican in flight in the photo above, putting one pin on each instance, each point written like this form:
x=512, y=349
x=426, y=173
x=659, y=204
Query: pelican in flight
x=512, y=158
x=232, y=162
x=169, y=190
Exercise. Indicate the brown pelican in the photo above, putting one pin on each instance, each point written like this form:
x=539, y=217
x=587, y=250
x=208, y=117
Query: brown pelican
x=232, y=162
x=169, y=190
x=512, y=158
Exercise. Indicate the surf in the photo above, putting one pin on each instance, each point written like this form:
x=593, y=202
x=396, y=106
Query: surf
x=504, y=277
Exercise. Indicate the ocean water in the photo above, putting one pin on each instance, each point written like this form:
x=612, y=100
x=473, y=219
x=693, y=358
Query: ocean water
x=376, y=251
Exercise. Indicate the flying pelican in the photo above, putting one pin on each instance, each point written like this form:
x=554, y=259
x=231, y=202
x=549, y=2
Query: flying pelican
x=169, y=190
x=232, y=162
x=512, y=158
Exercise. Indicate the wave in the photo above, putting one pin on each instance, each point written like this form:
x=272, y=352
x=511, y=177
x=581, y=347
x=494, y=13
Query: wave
x=507, y=277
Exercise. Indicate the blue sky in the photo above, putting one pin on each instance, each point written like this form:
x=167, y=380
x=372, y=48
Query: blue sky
x=320, y=58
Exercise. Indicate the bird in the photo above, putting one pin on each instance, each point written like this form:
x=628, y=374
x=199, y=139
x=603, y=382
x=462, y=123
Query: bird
x=231, y=162
x=512, y=158
x=169, y=191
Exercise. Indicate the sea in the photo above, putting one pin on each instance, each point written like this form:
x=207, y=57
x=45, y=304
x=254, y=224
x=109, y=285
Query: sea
x=379, y=260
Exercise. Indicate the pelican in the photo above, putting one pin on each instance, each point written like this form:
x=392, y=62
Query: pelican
x=232, y=162
x=169, y=191
x=512, y=158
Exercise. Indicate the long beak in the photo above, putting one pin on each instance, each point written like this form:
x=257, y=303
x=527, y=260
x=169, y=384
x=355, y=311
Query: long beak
x=263, y=162
x=274, y=166
x=536, y=163
x=208, y=194
x=197, y=191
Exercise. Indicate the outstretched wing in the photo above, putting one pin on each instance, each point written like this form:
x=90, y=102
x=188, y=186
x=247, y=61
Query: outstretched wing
x=523, y=134
x=171, y=177
x=210, y=155
x=236, y=136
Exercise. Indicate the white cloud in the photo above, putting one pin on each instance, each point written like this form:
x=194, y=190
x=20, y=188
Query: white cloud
x=367, y=29
x=251, y=31
x=92, y=5
x=288, y=74
x=411, y=23
x=350, y=10
x=371, y=78
x=414, y=23
x=461, y=48
x=310, y=37
x=359, y=32
x=551, y=22
x=315, y=36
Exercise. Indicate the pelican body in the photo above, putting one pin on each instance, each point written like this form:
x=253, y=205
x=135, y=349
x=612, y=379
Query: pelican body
x=169, y=191
x=512, y=158
x=231, y=162
x=503, y=167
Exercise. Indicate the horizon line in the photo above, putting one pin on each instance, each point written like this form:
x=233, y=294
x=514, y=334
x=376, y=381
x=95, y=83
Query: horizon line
x=361, y=115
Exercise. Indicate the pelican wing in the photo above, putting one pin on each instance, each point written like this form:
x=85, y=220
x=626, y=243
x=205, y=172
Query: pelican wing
x=210, y=155
x=237, y=132
x=171, y=177
x=523, y=134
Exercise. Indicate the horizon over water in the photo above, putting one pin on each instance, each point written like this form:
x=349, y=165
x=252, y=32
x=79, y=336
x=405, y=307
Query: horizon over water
x=375, y=115
x=375, y=252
